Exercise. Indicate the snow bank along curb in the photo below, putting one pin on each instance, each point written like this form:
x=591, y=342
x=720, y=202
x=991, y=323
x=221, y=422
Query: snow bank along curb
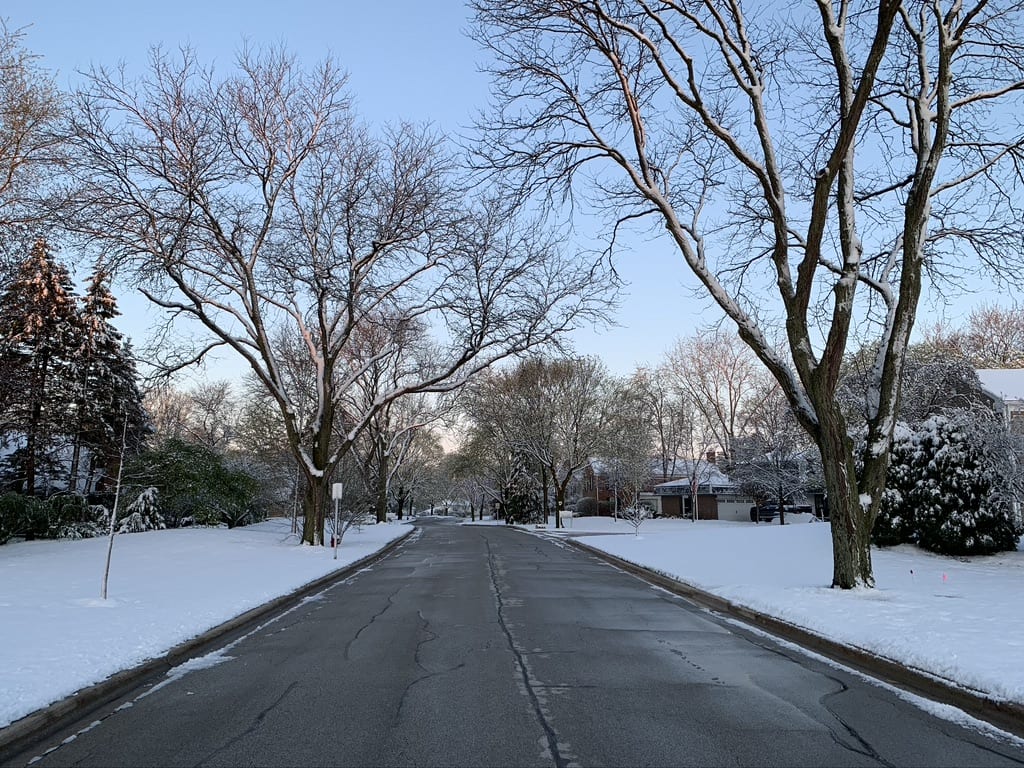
x=35, y=725
x=1006, y=715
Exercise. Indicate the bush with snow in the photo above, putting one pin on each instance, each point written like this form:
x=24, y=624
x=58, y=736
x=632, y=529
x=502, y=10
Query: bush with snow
x=61, y=516
x=197, y=486
x=945, y=491
x=896, y=522
x=143, y=514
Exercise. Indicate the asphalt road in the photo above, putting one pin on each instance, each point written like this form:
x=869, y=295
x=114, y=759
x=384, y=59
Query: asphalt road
x=477, y=646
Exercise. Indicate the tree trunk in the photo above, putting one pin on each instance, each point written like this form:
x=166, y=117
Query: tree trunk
x=382, y=493
x=400, y=502
x=382, y=483
x=558, y=502
x=782, y=507
x=851, y=543
x=560, y=499
x=315, y=503
x=76, y=460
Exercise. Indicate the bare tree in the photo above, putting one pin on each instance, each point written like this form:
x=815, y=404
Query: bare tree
x=30, y=107
x=421, y=461
x=553, y=412
x=992, y=338
x=257, y=207
x=628, y=440
x=214, y=414
x=776, y=460
x=390, y=435
x=669, y=411
x=635, y=516
x=689, y=434
x=169, y=410
x=207, y=413
x=809, y=166
x=721, y=377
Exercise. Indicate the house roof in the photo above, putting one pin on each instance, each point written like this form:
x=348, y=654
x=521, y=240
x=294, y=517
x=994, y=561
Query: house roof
x=1005, y=383
x=709, y=477
x=676, y=467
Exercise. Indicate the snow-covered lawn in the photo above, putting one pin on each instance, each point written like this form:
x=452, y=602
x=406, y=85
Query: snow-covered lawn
x=962, y=620
x=57, y=636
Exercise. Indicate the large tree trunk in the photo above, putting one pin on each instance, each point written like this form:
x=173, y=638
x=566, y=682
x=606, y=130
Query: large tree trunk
x=76, y=459
x=316, y=499
x=382, y=485
x=545, y=473
x=315, y=503
x=851, y=527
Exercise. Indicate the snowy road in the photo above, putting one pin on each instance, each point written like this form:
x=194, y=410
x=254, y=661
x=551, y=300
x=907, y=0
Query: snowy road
x=484, y=646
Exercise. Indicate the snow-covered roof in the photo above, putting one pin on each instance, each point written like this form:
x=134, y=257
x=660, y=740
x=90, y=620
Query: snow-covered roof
x=675, y=466
x=708, y=476
x=1005, y=383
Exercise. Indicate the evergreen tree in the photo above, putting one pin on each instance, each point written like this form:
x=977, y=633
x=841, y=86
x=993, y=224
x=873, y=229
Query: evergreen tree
x=944, y=491
x=143, y=514
x=195, y=486
x=896, y=522
x=956, y=511
x=39, y=337
x=519, y=502
x=106, y=391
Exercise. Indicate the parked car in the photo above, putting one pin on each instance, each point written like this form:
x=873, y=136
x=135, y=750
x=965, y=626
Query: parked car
x=766, y=513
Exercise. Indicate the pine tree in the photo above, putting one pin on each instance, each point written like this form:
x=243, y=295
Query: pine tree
x=943, y=491
x=956, y=513
x=143, y=514
x=39, y=336
x=106, y=392
x=897, y=520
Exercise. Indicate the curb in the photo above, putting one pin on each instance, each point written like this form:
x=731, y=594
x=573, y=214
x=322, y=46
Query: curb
x=31, y=727
x=1005, y=715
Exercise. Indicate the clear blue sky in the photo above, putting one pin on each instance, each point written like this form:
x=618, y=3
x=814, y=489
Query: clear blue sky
x=407, y=59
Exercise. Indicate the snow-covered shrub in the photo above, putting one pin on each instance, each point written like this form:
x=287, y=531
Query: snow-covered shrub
x=957, y=512
x=71, y=517
x=14, y=515
x=945, y=491
x=896, y=522
x=143, y=514
x=587, y=506
x=196, y=485
x=101, y=515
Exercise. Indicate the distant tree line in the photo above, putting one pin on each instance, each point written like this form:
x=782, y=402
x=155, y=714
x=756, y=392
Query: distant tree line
x=532, y=431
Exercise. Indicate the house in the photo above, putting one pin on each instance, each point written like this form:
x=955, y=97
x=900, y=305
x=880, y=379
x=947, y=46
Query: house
x=672, y=487
x=597, y=482
x=1005, y=387
x=717, y=496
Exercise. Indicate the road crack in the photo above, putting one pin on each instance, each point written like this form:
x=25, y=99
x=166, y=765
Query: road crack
x=865, y=748
x=254, y=726
x=531, y=688
x=367, y=625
